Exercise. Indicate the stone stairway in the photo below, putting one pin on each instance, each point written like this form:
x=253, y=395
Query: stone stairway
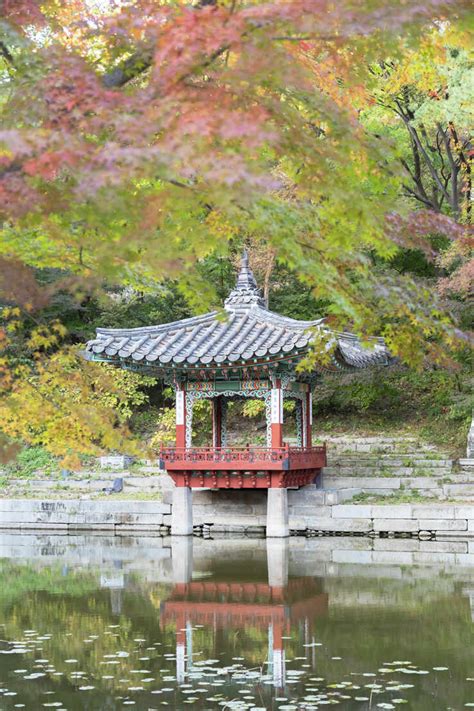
x=385, y=466
x=379, y=466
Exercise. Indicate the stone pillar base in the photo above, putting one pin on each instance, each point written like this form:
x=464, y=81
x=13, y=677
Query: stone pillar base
x=182, y=512
x=277, y=513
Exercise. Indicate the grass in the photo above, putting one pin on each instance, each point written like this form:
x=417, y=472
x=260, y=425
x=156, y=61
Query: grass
x=399, y=497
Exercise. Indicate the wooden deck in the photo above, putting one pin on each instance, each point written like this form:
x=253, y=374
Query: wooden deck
x=243, y=468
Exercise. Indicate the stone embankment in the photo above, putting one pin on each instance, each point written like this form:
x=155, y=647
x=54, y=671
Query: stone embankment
x=384, y=466
x=224, y=514
x=387, y=469
x=73, y=516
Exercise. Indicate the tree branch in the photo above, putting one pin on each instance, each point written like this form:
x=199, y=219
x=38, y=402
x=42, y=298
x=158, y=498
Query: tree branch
x=454, y=201
x=128, y=70
x=422, y=150
x=6, y=54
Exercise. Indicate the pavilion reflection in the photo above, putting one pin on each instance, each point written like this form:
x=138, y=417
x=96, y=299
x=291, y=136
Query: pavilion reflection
x=272, y=602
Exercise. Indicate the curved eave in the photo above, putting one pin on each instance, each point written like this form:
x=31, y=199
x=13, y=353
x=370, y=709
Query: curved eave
x=172, y=367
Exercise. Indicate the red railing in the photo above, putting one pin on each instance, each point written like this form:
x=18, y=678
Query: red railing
x=237, y=454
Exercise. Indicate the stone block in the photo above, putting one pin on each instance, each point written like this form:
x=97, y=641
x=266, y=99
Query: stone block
x=136, y=527
x=407, y=545
x=426, y=557
x=465, y=559
x=106, y=506
x=89, y=526
x=392, y=511
x=350, y=556
x=168, y=496
x=315, y=497
x=440, y=524
x=313, y=511
x=37, y=505
x=430, y=511
x=393, y=557
x=466, y=489
x=421, y=482
x=363, y=483
x=444, y=546
x=234, y=509
x=332, y=498
x=131, y=519
x=352, y=511
x=8, y=518
x=119, y=462
x=396, y=524
x=133, y=531
x=50, y=527
x=298, y=523
x=144, y=482
x=464, y=511
x=360, y=525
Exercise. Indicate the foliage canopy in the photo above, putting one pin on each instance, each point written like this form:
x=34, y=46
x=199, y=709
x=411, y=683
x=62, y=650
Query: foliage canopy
x=142, y=138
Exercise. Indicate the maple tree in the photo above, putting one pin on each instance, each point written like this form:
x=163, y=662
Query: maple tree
x=141, y=137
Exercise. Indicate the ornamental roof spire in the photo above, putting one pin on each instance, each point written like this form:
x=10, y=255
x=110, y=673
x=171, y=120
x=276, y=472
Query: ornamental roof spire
x=246, y=292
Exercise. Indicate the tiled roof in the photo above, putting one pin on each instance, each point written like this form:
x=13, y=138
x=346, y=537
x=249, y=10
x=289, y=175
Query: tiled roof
x=249, y=332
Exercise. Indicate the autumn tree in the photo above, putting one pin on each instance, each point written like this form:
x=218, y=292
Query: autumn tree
x=141, y=137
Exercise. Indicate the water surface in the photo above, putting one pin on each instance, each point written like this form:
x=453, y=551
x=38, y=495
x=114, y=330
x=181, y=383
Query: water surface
x=92, y=622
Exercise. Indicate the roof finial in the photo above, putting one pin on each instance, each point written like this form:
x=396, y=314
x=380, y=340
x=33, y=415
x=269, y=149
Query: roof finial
x=246, y=291
x=246, y=279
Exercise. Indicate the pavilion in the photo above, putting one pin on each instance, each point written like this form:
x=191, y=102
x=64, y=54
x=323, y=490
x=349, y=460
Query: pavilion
x=244, y=350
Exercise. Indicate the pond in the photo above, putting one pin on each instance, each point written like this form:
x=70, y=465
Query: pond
x=95, y=622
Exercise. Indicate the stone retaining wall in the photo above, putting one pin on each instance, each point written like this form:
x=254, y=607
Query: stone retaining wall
x=310, y=511
x=237, y=511
x=119, y=516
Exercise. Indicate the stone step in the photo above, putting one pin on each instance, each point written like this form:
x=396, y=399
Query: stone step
x=459, y=490
x=386, y=461
x=380, y=448
x=134, y=483
x=380, y=483
x=387, y=473
x=322, y=497
x=371, y=438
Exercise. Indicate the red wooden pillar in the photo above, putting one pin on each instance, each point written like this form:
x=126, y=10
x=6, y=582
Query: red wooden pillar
x=309, y=417
x=217, y=421
x=277, y=414
x=180, y=415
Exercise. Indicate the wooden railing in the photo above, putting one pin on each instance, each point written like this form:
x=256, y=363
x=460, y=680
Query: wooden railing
x=238, y=454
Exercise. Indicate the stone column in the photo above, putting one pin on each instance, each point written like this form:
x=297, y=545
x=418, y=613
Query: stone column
x=182, y=511
x=277, y=562
x=277, y=513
